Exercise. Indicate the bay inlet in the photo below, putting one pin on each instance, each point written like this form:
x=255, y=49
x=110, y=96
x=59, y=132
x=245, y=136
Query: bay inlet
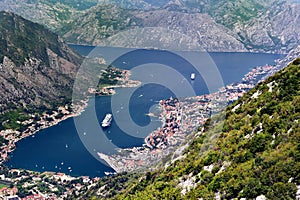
x=59, y=148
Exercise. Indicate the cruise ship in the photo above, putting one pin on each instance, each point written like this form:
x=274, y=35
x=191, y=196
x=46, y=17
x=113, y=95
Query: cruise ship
x=193, y=76
x=107, y=120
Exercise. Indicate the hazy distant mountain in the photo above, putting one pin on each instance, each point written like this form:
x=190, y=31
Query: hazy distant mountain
x=101, y=22
x=77, y=4
x=137, y=4
x=266, y=26
x=37, y=68
x=98, y=23
x=51, y=13
x=275, y=30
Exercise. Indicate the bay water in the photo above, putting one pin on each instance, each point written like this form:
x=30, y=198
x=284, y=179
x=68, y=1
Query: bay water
x=60, y=149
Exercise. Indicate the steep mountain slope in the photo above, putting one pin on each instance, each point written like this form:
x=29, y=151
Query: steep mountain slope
x=51, y=13
x=266, y=26
x=98, y=23
x=101, y=22
x=77, y=4
x=256, y=154
x=263, y=26
x=137, y=4
x=37, y=68
x=274, y=30
x=269, y=25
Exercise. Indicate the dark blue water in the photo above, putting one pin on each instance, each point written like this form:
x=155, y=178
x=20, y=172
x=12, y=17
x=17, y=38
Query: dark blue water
x=59, y=148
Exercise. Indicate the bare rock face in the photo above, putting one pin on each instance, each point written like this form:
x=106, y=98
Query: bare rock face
x=199, y=27
x=257, y=26
x=97, y=26
x=277, y=30
x=236, y=25
x=37, y=69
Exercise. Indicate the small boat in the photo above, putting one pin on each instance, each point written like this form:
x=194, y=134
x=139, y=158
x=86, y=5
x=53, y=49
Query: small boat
x=193, y=76
x=107, y=120
x=109, y=173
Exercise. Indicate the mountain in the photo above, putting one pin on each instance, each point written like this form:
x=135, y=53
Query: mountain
x=98, y=23
x=268, y=25
x=257, y=153
x=37, y=69
x=136, y=4
x=276, y=30
x=51, y=13
x=256, y=26
x=102, y=22
x=76, y=4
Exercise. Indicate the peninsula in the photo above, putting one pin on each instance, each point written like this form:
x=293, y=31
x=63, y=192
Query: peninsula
x=181, y=117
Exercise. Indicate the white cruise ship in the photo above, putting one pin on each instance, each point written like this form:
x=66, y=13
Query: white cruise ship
x=107, y=120
x=193, y=76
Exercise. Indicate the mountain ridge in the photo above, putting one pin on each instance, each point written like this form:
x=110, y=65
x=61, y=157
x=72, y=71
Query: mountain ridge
x=197, y=27
x=276, y=33
x=37, y=67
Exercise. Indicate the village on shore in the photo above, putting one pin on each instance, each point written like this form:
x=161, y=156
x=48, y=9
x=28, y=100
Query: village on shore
x=54, y=184
x=180, y=117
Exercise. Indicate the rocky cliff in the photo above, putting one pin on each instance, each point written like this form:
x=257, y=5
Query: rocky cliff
x=275, y=30
x=37, y=68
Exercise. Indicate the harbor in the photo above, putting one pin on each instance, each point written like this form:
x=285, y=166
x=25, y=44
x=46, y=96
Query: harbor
x=181, y=117
x=115, y=135
x=59, y=143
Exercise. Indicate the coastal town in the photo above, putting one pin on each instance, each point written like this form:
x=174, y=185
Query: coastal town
x=35, y=122
x=28, y=185
x=180, y=117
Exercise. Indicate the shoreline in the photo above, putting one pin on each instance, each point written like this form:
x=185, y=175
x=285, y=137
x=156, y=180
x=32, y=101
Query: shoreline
x=108, y=90
x=179, y=119
x=31, y=131
x=77, y=110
